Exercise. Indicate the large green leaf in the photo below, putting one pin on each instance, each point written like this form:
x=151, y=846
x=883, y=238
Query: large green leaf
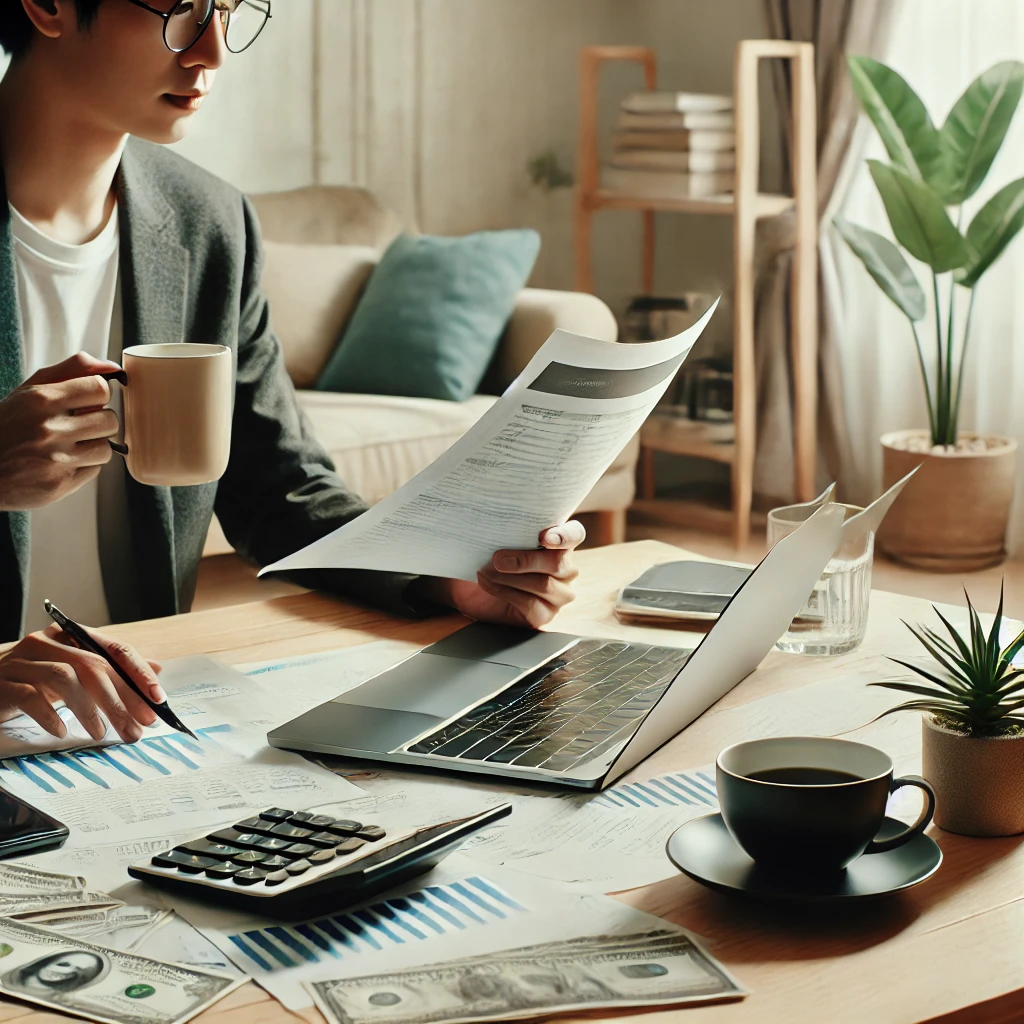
x=902, y=121
x=919, y=220
x=992, y=230
x=975, y=129
x=887, y=265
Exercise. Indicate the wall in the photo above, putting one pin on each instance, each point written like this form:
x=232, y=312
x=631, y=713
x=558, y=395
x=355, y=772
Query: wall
x=437, y=105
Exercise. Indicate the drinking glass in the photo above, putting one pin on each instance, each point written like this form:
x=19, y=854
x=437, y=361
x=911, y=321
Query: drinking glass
x=835, y=616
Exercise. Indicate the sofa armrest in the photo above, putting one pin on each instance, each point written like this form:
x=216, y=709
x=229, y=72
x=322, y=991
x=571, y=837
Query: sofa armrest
x=538, y=312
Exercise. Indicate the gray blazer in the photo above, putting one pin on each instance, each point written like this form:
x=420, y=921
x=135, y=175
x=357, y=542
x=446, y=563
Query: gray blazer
x=190, y=269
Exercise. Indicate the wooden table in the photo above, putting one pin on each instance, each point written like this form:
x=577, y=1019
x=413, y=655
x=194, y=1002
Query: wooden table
x=951, y=949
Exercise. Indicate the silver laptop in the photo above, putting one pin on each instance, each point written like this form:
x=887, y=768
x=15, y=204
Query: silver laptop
x=556, y=708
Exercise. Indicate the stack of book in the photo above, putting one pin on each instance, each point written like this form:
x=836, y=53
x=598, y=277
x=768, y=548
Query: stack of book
x=673, y=145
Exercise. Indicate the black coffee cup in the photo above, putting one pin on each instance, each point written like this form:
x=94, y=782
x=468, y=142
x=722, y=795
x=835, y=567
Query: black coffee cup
x=804, y=803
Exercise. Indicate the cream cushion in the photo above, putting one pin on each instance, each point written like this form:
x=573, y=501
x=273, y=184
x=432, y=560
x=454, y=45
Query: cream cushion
x=379, y=442
x=312, y=290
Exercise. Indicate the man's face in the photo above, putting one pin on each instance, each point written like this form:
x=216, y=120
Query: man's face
x=121, y=77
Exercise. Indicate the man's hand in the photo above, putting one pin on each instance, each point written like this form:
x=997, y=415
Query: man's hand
x=43, y=668
x=53, y=433
x=519, y=588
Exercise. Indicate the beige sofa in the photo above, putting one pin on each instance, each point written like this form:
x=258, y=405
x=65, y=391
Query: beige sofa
x=321, y=245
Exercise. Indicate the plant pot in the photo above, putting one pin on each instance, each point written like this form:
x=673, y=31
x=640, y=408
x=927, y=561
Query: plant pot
x=978, y=782
x=952, y=516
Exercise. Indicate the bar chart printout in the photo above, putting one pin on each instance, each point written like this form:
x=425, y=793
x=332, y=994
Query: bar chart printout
x=127, y=764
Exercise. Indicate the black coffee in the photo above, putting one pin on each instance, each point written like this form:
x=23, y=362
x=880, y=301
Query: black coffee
x=801, y=776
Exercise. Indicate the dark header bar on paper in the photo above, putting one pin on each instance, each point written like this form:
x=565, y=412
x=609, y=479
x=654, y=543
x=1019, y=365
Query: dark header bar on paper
x=592, y=382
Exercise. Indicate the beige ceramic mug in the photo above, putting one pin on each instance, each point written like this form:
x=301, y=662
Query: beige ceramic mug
x=177, y=413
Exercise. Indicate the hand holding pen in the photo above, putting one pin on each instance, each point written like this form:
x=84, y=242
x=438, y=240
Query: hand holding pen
x=47, y=667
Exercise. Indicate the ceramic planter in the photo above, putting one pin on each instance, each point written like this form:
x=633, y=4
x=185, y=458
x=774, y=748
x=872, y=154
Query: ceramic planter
x=952, y=516
x=978, y=783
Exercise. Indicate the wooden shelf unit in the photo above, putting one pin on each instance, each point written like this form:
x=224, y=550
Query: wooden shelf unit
x=746, y=206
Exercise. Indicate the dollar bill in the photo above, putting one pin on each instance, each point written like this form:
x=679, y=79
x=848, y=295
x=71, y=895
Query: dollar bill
x=124, y=928
x=22, y=878
x=661, y=968
x=42, y=966
x=42, y=905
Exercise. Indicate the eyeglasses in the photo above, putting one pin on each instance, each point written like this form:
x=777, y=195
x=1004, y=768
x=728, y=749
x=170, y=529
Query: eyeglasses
x=186, y=21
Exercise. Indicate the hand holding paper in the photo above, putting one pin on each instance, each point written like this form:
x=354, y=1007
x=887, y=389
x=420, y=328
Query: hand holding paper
x=527, y=464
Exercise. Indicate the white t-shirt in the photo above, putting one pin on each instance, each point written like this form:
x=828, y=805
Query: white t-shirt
x=66, y=300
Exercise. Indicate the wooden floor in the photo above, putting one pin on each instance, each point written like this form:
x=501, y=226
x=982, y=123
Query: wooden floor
x=227, y=580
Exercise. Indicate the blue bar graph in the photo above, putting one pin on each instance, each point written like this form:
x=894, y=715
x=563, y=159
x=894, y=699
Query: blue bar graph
x=420, y=916
x=122, y=764
x=674, y=789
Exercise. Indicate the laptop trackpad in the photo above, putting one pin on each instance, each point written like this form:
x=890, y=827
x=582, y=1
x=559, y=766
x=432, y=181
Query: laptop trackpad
x=431, y=684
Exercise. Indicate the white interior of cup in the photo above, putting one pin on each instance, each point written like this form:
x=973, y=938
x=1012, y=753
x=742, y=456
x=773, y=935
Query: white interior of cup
x=742, y=759
x=181, y=350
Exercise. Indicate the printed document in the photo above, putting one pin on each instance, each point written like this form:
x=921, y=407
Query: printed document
x=527, y=464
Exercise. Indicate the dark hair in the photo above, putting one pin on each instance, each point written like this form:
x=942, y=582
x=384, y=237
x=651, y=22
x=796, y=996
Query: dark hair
x=16, y=29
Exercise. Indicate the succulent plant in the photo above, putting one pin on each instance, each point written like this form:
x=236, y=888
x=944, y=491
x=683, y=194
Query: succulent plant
x=976, y=689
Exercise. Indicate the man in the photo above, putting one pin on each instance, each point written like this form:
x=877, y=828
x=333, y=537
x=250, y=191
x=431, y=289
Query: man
x=107, y=241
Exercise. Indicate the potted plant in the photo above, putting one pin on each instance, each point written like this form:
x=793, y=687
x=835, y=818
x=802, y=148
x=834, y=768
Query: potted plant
x=931, y=172
x=973, y=727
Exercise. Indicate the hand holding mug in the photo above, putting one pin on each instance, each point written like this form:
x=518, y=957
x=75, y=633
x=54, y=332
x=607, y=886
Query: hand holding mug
x=53, y=432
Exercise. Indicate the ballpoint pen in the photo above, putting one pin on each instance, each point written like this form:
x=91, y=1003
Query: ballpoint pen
x=82, y=638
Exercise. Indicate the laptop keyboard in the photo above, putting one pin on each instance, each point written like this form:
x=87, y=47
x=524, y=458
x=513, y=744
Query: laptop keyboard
x=571, y=709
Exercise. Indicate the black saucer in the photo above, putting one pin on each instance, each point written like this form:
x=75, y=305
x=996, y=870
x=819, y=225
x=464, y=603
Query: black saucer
x=705, y=850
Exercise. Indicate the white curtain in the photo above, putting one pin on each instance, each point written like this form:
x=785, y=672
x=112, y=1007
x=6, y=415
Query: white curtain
x=938, y=46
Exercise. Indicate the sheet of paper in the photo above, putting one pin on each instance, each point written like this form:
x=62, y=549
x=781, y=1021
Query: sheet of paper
x=49, y=969
x=460, y=908
x=589, y=843
x=526, y=465
x=301, y=683
x=124, y=801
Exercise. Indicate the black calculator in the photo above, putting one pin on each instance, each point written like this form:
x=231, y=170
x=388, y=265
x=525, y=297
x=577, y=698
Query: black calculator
x=289, y=864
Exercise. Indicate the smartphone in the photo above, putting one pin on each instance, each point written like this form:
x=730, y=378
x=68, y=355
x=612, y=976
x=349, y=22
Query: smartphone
x=682, y=590
x=25, y=828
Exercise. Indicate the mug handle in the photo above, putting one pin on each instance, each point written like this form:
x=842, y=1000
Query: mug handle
x=122, y=378
x=923, y=821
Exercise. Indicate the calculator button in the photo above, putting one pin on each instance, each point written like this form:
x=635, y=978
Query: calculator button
x=277, y=877
x=276, y=814
x=232, y=837
x=297, y=850
x=290, y=831
x=297, y=867
x=350, y=846
x=249, y=857
x=207, y=849
x=249, y=876
x=274, y=844
x=250, y=825
x=275, y=863
x=371, y=833
x=321, y=856
x=324, y=840
x=223, y=871
x=345, y=827
x=299, y=816
x=191, y=863
x=320, y=821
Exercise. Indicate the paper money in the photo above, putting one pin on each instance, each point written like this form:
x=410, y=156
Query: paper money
x=40, y=906
x=124, y=928
x=19, y=878
x=50, y=969
x=594, y=972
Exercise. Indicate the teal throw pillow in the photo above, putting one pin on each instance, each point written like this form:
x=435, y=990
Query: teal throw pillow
x=431, y=316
